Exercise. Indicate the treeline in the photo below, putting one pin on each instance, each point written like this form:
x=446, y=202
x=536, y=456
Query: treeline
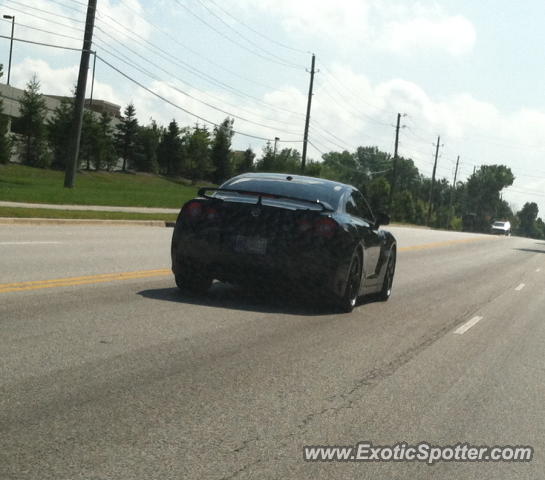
x=471, y=205
x=200, y=154
x=109, y=143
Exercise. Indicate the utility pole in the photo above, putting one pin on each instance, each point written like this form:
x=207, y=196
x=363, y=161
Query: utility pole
x=12, y=18
x=307, y=119
x=394, y=173
x=71, y=167
x=433, y=180
x=452, y=192
x=276, y=139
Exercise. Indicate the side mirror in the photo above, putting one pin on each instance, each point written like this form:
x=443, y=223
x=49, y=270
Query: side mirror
x=382, y=219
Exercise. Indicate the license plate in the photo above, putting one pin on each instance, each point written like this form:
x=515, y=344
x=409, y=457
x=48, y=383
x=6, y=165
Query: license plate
x=255, y=245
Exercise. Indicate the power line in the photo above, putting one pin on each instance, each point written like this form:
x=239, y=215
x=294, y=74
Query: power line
x=202, y=75
x=227, y=37
x=349, y=105
x=190, y=69
x=130, y=62
x=317, y=125
x=492, y=140
x=79, y=30
x=273, y=55
x=186, y=47
x=155, y=94
x=56, y=15
x=62, y=47
x=147, y=89
x=257, y=32
x=19, y=24
x=343, y=87
x=316, y=148
x=331, y=141
x=78, y=10
x=207, y=104
x=184, y=65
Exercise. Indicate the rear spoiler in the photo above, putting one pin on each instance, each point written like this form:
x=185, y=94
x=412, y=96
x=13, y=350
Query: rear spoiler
x=261, y=195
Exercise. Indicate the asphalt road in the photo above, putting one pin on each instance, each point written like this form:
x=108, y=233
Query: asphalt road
x=123, y=377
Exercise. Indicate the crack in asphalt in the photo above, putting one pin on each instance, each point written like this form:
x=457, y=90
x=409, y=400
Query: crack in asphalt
x=371, y=379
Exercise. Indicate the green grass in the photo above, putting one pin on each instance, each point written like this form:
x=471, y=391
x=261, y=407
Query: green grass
x=19, y=183
x=18, y=212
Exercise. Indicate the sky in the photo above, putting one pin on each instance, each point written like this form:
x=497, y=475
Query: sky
x=470, y=72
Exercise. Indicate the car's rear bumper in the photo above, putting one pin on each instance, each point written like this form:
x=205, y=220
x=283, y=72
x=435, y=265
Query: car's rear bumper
x=316, y=269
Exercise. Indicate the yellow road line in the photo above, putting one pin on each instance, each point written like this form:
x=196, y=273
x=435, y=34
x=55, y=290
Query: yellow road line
x=111, y=277
x=85, y=280
x=441, y=244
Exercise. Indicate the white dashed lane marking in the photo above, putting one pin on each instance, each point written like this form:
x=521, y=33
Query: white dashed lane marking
x=520, y=287
x=30, y=243
x=466, y=326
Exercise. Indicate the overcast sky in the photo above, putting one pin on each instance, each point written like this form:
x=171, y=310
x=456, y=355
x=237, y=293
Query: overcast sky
x=470, y=71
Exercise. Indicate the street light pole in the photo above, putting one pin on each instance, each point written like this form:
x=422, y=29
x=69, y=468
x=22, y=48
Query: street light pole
x=93, y=80
x=12, y=18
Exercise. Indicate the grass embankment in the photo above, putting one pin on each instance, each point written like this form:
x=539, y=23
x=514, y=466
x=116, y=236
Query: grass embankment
x=17, y=212
x=19, y=183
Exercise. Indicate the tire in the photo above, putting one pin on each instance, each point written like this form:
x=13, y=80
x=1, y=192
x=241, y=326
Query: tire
x=192, y=280
x=349, y=300
x=386, y=290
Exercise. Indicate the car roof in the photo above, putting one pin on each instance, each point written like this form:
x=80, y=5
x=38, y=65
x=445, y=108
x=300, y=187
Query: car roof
x=295, y=178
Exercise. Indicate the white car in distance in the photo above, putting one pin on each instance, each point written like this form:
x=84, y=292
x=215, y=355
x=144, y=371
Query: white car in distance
x=501, y=228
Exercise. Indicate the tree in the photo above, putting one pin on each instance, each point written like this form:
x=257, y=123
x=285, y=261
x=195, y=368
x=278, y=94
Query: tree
x=5, y=143
x=148, y=142
x=89, y=145
x=266, y=162
x=371, y=160
x=221, y=149
x=126, y=135
x=540, y=228
x=345, y=167
x=198, y=153
x=483, y=193
x=169, y=151
x=403, y=207
x=32, y=110
x=527, y=217
x=247, y=164
x=106, y=154
x=287, y=161
x=57, y=127
x=378, y=192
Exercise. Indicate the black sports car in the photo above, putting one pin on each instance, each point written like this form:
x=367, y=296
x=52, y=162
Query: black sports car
x=269, y=227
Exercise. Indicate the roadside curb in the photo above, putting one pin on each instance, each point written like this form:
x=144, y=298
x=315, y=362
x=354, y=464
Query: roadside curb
x=84, y=221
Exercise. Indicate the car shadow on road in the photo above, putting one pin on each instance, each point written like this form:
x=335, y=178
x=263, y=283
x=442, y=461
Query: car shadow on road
x=223, y=295
x=530, y=250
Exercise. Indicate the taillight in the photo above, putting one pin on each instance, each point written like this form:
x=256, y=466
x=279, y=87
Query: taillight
x=193, y=210
x=305, y=225
x=211, y=213
x=325, y=227
x=197, y=211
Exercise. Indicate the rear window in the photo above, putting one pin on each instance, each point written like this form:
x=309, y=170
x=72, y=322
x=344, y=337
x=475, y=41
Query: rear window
x=328, y=194
x=499, y=224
